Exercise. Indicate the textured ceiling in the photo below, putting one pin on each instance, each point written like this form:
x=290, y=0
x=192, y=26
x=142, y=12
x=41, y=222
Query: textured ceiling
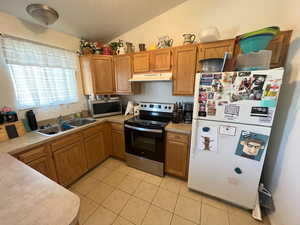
x=95, y=19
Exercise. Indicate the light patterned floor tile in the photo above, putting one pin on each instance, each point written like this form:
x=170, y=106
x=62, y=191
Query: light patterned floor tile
x=186, y=192
x=135, y=210
x=165, y=199
x=214, y=202
x=116, y=201
x=153, y=179
x=157, y=216
x=171, y=184
x=244, y=217
x=188, y=209
x=137, y=174
x=112, y=163
x=124, y=169
x=101, y=216
x=129, y=184
x=211, y=215
x=146, y=191
x=87, y=208
x=85, y=185
x=100, y=192
x=121, y=221
x=99, y=173
x=114, y=179
x=177, y=220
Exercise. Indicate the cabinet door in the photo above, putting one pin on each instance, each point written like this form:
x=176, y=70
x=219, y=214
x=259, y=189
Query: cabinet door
x=103, y=75
x=214, y=50
x=86, y=74
x=70, y=163
x=184, y=70
x=94, y=149
x=122, y=74
x=279, y=47
x=118, y=142
x=161, y=60
x=141, y=62
x=176, y=158
x=41, y=165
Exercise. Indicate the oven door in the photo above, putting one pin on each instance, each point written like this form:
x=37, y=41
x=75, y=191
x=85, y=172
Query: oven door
x=145, y=142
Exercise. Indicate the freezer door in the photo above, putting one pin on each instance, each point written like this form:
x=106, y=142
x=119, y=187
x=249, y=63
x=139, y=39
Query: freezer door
x=239, y=97
x=226, y=160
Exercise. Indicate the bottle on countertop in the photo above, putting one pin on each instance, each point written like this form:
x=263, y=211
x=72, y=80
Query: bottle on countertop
x=175, y=114
x=180, y=112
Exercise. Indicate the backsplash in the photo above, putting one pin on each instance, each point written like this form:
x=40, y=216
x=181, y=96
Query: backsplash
x=156, y=92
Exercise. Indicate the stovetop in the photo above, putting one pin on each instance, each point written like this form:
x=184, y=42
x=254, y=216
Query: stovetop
x=138, y=122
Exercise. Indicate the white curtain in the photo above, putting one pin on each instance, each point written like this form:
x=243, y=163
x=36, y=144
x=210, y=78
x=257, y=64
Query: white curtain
x=42, y=75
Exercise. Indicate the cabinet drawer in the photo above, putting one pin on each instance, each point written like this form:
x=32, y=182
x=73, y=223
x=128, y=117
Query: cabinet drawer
x=92, y=130
x=65, y=141
x=117, y=126
x=33, y=154
x=178, y=137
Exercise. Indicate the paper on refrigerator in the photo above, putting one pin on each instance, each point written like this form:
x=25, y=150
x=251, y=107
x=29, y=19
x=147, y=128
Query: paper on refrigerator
x=207, y=139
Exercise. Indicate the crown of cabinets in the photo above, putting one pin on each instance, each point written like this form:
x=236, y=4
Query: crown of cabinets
x=110, y=74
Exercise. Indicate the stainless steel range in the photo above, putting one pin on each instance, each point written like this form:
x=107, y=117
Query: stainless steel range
x=145, y=137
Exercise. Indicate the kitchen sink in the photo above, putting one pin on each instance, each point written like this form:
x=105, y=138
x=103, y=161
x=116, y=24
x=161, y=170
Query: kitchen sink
x=50, y=130
x=80, y=122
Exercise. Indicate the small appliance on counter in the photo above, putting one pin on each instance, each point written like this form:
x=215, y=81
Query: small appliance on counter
x=178, y=116
x=31, y=120
x=105, y=107
x=129, y=108
x=188, y=112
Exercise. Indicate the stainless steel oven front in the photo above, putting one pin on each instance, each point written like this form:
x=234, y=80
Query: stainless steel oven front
x=100, y=108
x=145, y=149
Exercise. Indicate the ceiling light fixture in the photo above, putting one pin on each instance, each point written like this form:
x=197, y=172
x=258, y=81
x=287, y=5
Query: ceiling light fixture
x=42, y=13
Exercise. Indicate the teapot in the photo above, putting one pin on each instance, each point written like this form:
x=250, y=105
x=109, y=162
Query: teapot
x=164, y=42
x=188, y=38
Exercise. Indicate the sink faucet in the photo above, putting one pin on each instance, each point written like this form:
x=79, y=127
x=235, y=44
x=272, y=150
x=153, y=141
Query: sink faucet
x=60, y=120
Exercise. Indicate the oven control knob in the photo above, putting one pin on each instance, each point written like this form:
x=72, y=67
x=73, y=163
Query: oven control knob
x=169, y=107
x=151, y=106
x=166, y=107
x=159, y=106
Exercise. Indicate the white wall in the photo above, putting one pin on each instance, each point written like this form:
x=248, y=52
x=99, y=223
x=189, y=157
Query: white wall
x=13, y=26
x=282, y=168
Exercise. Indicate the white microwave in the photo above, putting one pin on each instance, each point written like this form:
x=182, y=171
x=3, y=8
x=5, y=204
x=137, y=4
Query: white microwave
x=101, y=108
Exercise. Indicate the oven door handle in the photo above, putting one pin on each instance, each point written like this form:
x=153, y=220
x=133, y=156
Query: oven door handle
x=143, y=129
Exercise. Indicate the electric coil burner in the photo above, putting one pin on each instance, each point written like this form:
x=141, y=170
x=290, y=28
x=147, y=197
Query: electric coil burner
x=145, y=135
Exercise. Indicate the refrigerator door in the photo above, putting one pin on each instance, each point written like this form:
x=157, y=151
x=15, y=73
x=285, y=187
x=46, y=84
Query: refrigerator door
x=226, y=160
x=238, y=97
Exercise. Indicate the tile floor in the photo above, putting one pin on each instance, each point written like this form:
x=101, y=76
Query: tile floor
x=116, y=194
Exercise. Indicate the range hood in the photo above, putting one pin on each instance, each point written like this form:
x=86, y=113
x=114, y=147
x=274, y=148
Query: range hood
x=151, y=77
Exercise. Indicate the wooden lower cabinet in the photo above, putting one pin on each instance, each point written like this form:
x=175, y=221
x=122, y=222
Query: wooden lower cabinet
x=70, y=161
x=40, y=159
x=177, y=154
x=118, y=141
x=94, y=149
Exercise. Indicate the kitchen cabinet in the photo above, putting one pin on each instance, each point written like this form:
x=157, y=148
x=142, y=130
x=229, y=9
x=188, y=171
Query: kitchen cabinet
x=123, y=72
x=279, y=47
x=141, y=62
x=118, y=140
x=184, y=69
x=94, y=145
x=40, y=159
x=160, y=60
x=97, y=74
x=215, y=49
x=177, y=154
x=69, y=157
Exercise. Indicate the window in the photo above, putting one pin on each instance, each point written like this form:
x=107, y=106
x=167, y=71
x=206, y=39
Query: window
x=42, y=75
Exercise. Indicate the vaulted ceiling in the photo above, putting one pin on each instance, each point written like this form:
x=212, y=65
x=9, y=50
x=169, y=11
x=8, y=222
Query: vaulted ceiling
x=95, y=19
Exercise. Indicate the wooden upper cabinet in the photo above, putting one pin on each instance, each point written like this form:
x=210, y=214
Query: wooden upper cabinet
x=141, y=62
x=279, y=46
x=103, y=75
x=123, y=72
x=215, y=49
x=97, y=74
x=161, y=60
x=184, y=70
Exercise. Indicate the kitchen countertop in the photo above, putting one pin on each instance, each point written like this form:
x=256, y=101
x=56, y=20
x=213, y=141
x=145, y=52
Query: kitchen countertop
x=179, y=128
x=33, y=139
x=29, y=198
